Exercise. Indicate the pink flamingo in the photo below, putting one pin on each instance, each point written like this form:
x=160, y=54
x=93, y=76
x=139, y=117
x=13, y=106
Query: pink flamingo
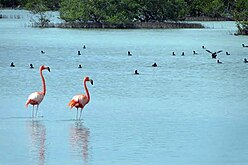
x=36, y=97
x=79, y=101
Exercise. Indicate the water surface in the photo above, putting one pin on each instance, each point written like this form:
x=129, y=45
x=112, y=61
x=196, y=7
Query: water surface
x=188, y=110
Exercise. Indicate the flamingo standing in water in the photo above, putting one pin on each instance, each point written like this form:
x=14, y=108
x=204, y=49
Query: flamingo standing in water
x=79, y=101
x=36, y=97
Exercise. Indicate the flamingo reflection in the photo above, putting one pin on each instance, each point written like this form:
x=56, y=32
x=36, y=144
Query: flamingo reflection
x=37, y=133
x=79, y=140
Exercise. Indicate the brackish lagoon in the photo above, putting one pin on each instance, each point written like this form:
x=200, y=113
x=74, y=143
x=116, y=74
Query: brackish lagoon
x=189, y=110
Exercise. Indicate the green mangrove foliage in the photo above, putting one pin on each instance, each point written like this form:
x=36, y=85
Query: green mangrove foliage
x=241, y=15
x=128, y=11
x=122, y=11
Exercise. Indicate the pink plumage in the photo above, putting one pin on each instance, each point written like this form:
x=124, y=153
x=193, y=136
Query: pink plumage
x=37, y=97
x=79, y=101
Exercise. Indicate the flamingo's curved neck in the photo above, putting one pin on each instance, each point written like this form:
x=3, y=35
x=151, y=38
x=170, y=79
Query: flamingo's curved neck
x=43, y=82
x=87, y=92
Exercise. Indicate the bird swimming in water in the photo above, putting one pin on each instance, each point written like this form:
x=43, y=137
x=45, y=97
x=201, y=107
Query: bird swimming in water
x=84, y=47
x=129, y=53
x=42, y=52
x=182, y=54
x=203, y=47
x=79, y=53
x=245, y=60
x=214, y=54
x=173, y=54
x=194, y=52
x=31, y=66
x=12, y=64
x=244, y=46
x=154, y=64
x=79, y=66
x=227, y=53
x=219, y=62
x=136, y=72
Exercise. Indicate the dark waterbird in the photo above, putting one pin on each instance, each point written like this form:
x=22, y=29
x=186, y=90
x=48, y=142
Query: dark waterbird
x=136, y=72
x=129, y=53
x=173, y=54
x=203, y=47
x=182, y=53
x=214, y=54
x=219, y=62
x=194, y=52
x=42, y=52
x=31, y=66
x=245, y=46
x=245, y=60
x=227, y=53
x=154, y=64
x=84, y=47
x=12, y=64
x=79, y=53
x=79, y=66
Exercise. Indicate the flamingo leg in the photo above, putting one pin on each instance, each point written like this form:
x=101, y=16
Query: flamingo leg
x=33, y=112
x=80, y=114
x=36, y=110
x=77, y=114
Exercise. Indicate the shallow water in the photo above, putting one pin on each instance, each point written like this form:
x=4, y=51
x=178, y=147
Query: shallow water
x=188, y=110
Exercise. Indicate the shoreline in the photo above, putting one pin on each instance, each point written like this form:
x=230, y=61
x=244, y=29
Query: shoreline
x=136, y=25
x=188, y=23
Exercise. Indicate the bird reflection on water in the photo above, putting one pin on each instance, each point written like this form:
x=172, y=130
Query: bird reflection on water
x=37, y=132
x=79, y=140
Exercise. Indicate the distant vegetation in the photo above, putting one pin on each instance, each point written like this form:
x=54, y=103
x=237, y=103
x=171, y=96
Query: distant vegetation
x=129, y=11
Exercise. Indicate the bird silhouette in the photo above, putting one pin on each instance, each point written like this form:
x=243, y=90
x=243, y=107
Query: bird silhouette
x=154, y=64
x=31, y=66
x=219, y=62
x=214, y=54
x=245, y=60
x=245, y=46
x=136, y=72
x=12, y=64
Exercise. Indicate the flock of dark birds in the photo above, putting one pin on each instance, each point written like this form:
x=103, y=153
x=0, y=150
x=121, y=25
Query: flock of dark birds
x=213, y=55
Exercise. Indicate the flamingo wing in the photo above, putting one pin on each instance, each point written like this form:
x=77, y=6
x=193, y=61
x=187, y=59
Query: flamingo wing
x=78, y=101
x=35, y=98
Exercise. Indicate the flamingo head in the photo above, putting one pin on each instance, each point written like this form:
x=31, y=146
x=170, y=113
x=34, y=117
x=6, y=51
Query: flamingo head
x=45, y=67
x=88, y=79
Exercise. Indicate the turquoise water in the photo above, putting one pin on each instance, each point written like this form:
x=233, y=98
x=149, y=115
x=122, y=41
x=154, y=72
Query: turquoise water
x=188, y=110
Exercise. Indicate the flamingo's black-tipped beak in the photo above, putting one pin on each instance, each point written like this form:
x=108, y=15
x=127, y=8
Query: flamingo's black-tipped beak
x=48, y=69
x=91, y=81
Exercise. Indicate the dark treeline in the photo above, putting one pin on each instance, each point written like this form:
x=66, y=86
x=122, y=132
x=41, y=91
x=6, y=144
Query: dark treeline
x=50, y=4
x=135, y=10
x=128, y=11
